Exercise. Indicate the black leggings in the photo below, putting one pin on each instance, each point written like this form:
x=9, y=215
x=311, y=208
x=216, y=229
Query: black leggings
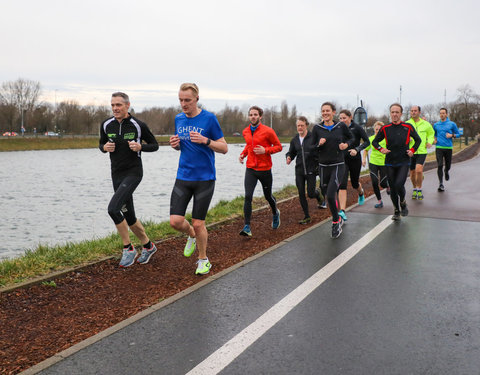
x=443, y=153
x=378, y=175
x=330, y=178
x=396, y=180
x=311, y=180
x=251, y=178
x=354, y=166
x=121, y=204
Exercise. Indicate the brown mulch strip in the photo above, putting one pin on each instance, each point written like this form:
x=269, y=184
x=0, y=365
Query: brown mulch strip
x=39, y=321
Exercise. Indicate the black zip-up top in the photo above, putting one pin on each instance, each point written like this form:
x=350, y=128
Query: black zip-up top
x=397, y=138
x=329, y=153
x=305, y=154
x=124, y=160
x=358, y=134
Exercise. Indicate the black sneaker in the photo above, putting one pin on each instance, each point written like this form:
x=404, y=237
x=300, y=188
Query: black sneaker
x=337, y=228
x=403, y=206
x=441, y=188
x=396, y=215
x=305, y=220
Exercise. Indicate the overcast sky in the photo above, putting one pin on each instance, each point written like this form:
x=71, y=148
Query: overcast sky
x=244, y=52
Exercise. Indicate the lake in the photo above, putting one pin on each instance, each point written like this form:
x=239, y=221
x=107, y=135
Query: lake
x=52, y=197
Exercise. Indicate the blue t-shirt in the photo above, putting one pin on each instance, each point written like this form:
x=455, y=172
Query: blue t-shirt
x=441, y=129
x=197, y=161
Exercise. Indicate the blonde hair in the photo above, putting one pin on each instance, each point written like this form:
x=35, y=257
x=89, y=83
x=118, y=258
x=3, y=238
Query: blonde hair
x=190, y=86
x=378, y=123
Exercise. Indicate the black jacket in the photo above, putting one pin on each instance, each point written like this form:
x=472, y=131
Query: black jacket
x=358, y=134
x=329, y=153
x=304, y=153
x=124, y=160
x=397, y=138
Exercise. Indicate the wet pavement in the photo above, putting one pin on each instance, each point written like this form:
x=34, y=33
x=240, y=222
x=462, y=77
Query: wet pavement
x=385, y=298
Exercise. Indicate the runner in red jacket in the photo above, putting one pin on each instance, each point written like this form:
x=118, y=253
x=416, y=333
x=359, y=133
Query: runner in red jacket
x=261, y=142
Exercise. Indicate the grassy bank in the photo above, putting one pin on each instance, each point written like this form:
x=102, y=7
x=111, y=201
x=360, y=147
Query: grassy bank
x=46, y=259
x=76, y=141
x=53, y=143
x=81, y=141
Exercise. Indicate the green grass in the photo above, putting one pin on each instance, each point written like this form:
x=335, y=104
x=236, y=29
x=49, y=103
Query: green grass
x=76, y=141
x=46, y=259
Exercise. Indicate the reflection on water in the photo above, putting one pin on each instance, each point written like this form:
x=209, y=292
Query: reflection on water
x=52, y=197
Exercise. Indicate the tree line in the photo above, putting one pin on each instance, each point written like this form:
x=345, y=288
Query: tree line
x=20, y=106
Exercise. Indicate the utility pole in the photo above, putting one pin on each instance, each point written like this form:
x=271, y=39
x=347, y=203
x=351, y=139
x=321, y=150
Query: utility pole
x=400, y=98
x=56, y=123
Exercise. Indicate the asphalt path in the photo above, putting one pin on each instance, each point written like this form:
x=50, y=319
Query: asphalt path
x=385, y=298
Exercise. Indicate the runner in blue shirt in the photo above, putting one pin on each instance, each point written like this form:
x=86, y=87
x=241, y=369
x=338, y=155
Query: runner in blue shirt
x=445, y=131
x=197, y=136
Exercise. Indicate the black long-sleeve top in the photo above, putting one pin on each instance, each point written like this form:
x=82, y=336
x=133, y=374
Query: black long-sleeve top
x=358, y=135
x=397, y=138
x=329, y=153
x=123, y=159
x=305, y=154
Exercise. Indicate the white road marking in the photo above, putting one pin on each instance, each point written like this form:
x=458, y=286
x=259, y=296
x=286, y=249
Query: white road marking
x=226, y=354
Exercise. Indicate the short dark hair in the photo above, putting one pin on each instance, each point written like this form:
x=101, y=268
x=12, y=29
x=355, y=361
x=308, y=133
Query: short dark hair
x=304, y=119
x=346, y=112
x=419, y=108
x=396, y=105
x=256, y=108
x=122, y=95
x=444, y=109
x=331, y=105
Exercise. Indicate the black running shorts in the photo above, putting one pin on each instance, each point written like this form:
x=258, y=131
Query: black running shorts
x=202, y=192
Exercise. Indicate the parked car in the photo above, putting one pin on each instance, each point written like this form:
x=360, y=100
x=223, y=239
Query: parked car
x=51, y=134
x=10, y=134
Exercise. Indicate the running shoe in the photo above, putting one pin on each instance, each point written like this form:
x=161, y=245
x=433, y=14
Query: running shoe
x=361, y=199
x=343, y=215
x=379, y=205
x=441, y=188
x=403, y=206
x=419, y=195
x=447, y=176
x=203, y=267
x=396, y=215
x=190, y=246
x=323, y=204
x=276, y=220
x=128, y=257
x=415, y=194
x=246, y=231
x=388, y=190
x=337, y=228
x=147, y=254
x=305, y=220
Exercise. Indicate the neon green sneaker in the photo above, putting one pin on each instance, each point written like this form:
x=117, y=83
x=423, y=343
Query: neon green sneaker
x=203, y=267
x=414, y=194
x=190, y=246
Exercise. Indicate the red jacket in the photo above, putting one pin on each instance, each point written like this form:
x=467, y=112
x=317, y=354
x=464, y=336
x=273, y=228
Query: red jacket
x=262, y=136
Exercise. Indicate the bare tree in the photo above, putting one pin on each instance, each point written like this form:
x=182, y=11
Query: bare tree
x=466, y=110
x=22, y=94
